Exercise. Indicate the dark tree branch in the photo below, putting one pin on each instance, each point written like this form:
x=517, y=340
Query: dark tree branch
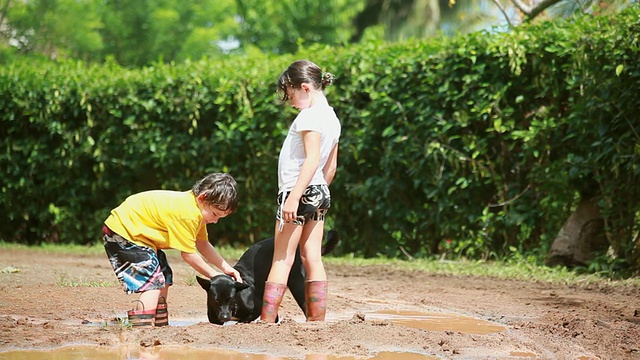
x=5, y=9
x=532, y=11
x=504, y=13
x=369, y=16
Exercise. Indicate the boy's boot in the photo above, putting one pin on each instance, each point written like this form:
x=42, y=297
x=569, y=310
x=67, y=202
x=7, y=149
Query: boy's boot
x=271, y=299
x=162, y=313
x=315, y=294
x=141, y=317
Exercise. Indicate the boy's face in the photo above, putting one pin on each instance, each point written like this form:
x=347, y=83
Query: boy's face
x=212, y=214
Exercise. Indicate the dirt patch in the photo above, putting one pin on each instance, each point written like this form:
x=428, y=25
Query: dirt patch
x=50, y=300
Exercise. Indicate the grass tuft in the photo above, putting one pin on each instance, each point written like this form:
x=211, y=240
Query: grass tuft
x=66, y=280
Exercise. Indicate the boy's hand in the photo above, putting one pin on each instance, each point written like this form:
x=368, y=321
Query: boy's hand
x=233, y=273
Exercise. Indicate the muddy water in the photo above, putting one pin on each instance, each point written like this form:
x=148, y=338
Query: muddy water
x=94, y=353
x=430, y=321
x=436, y=321
x=421, y=320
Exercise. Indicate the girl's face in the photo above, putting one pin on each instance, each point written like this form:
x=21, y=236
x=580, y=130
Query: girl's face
x=301, y=98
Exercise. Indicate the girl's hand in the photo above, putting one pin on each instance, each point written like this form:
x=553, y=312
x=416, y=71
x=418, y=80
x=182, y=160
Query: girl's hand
x=290, y=209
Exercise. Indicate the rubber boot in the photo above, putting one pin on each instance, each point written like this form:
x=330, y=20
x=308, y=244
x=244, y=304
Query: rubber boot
x=271, y=300
x=315, y=294
x=162, y=313
x=141, y=318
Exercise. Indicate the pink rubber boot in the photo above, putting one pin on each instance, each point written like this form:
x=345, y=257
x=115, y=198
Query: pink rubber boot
x=271, y=300
x=315, y=293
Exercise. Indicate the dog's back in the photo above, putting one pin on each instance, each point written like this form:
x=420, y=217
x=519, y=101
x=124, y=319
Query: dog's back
x=255, y=263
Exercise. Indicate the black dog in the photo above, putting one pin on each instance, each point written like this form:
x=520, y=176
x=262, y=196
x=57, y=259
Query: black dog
x=231, y=300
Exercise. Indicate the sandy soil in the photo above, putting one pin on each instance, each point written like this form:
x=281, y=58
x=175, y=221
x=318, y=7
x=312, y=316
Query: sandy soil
x=52, y=300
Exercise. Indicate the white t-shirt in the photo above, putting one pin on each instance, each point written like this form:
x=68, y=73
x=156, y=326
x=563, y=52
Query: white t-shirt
x=319, y=118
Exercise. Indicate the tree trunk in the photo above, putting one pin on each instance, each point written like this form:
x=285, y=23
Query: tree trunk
x=581, y=238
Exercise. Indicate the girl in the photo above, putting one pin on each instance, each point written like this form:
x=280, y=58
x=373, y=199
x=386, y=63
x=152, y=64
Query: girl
x=306, y=166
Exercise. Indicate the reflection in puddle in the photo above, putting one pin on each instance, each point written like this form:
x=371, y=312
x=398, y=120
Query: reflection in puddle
x=437, y=321
x=414, y=319
x=394, y=356
x=173, y=322
x=523, y=354
x=95, y=353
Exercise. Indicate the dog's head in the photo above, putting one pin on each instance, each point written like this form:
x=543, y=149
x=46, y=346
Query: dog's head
x=221, y=297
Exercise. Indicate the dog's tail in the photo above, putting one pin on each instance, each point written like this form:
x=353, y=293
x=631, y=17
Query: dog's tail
x=332, y=241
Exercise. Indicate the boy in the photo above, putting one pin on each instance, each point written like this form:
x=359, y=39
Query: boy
x=137, y=231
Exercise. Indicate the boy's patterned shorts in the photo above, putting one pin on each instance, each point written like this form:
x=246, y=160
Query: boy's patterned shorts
x=313, y=206
x=138, y=268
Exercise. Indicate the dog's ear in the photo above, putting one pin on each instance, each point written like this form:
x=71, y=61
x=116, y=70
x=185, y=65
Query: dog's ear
x=206, y=284
x=240, y=286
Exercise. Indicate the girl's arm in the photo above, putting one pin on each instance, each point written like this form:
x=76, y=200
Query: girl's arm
x=331, y=166
x=312, y=161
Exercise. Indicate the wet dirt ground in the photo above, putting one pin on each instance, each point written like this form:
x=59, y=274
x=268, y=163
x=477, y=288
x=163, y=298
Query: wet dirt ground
x=49, y=300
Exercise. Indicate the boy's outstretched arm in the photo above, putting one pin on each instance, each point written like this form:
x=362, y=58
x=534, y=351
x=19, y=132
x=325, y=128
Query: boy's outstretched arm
x=213, y=256
x=198, y=264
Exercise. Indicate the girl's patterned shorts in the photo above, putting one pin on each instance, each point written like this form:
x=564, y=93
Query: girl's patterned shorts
x=138, y=268
x=313, y=206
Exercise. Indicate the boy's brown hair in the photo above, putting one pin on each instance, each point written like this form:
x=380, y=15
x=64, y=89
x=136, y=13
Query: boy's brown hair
x=220, y=189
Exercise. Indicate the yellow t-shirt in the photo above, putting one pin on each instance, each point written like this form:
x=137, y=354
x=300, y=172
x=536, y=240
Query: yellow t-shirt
x=160, y=219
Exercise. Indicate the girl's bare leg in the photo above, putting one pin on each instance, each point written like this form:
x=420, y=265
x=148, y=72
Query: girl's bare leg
x=284, y=252
x=311, y=250
x=285, y=245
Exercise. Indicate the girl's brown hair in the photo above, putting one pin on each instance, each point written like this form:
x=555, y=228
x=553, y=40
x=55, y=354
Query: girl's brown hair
x=303, y=71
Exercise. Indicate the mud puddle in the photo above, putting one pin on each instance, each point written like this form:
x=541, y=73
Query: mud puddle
x=430, y=321
x=98, y=353
x=436, y=321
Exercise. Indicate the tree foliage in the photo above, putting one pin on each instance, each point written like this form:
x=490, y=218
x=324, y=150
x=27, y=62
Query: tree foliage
x=63, y=28
x=140, y=32
x=282, y=26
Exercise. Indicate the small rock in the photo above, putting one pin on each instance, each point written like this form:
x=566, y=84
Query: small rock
x=358, y=317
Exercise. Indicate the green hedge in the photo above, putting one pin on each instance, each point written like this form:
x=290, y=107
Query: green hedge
x=478, y=145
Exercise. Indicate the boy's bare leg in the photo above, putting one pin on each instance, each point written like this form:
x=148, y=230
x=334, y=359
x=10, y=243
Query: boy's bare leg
x=162, y=312
x=164, y=293
x=150, y=299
